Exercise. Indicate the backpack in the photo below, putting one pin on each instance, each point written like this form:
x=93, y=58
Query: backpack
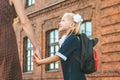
x=88, y=57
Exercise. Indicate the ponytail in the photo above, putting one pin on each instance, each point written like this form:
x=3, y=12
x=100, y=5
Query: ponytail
x=76, y=30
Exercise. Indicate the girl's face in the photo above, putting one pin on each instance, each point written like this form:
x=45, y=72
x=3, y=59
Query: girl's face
x=65, y=23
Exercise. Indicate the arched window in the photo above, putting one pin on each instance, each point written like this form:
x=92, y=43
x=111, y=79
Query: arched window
x=28, y=52
x=52, y=47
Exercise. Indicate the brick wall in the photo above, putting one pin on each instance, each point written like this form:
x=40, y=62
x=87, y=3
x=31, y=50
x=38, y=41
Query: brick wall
x=105, y=17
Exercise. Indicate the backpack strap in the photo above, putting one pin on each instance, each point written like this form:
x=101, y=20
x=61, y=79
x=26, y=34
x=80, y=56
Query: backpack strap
x=76, y=57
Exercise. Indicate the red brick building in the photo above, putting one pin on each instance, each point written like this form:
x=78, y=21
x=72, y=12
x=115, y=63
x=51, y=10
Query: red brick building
x=101, y=19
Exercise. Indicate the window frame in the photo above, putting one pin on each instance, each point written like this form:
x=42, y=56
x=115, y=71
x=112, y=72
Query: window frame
x=25, y=61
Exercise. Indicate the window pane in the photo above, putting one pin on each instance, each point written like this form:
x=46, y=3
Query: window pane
x=82, y=28
x=56, y=65
x=28, y=62
x=56, y=35
x=28, y=44
x=33, y=1
x=32, y=51
x=28, y=68
x=31, y=46
x=52, y=49
x=51, y=65
x=51, y=40
x=28, y=54
x=32, y=67
x=56, y=48
x=52, y=34
x=51, y=37
x=30, y=2
x=51, y=54
x=88, y=29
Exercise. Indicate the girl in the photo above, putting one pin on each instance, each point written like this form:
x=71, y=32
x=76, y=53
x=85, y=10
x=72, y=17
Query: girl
x=69, y=46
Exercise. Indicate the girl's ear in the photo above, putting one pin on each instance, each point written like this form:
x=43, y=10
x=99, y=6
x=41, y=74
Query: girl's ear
x=72, y=24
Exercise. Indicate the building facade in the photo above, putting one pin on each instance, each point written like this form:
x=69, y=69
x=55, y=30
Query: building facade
x=101, y=19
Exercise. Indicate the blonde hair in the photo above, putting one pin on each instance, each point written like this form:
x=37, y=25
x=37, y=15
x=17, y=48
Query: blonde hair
x=76, y=29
